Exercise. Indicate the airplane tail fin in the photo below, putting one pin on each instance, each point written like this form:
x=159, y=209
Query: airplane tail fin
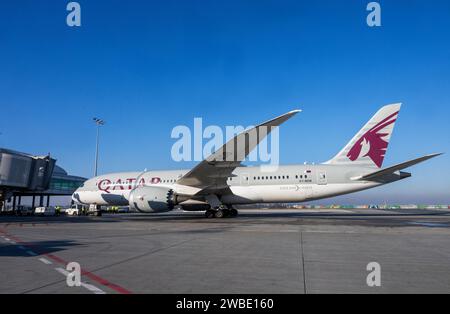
x=368, y=147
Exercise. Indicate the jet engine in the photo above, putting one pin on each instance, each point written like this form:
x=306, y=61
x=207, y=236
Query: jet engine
x=152, y=199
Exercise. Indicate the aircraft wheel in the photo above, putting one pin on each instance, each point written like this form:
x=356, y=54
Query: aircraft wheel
x=209, y=213
x=233, y=212
x=220, y=213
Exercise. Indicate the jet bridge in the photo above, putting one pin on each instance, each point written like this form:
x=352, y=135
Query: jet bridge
x=23, y=173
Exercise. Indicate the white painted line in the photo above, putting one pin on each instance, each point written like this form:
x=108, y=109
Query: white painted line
x=89, y=287
x=62, y=271
x=267, y=231
x=22, y=247
x=93, y=288
x=45, y=261
x=31, y=253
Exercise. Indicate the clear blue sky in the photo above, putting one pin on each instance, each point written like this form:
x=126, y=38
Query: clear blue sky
x=147, y=66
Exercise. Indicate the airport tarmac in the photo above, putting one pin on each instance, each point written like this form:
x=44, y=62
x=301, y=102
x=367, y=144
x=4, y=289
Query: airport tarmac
x=261, y=251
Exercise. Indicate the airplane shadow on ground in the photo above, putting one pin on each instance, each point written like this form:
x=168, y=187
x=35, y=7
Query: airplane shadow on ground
x=337, y=215
x=38, y=247
x=35, y=220
x=197, y=217
x=6, y=221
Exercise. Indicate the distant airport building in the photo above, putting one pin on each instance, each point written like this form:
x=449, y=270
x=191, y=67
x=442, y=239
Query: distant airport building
x=23, y=174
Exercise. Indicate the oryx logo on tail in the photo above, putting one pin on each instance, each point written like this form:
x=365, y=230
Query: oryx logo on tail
x=372, y=144
x=368, y=147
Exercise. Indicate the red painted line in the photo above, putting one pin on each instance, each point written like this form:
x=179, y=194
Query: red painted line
x=105, y=282
x=56, y=258
x=84, y=272
x=92, y=276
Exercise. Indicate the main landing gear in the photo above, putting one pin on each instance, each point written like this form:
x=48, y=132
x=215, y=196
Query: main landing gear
x=221, y=212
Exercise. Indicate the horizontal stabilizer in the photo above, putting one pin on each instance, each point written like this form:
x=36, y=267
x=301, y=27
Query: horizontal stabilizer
x=390, y=170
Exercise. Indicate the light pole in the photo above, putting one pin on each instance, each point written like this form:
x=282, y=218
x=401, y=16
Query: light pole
x=98, y=122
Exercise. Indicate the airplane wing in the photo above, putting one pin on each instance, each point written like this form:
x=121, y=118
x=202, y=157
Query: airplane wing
x=218, y=167
x=377, y=174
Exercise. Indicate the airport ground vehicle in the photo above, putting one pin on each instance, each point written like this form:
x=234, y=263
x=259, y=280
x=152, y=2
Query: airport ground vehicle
x=117, y=209
x=95, y=210
x=45, y=211
x=124, y=209
x=23, y=210
x=80, y=210
x=75, y=210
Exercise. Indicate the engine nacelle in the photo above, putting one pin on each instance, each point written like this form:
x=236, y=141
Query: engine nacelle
x=152, y=199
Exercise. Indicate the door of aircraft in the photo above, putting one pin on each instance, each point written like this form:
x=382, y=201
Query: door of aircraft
x=245, y=179
x=322, y=178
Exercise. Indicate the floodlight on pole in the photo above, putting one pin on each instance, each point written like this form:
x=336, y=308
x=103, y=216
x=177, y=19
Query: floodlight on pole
x=98, y=122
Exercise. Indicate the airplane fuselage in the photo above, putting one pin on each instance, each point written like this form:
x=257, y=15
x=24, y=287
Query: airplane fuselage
x=247, y=185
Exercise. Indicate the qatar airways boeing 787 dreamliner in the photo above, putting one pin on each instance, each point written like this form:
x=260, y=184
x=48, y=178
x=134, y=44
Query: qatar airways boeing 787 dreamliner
x=221, y=181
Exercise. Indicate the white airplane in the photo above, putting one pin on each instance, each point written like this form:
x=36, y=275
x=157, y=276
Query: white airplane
x=219, y=182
